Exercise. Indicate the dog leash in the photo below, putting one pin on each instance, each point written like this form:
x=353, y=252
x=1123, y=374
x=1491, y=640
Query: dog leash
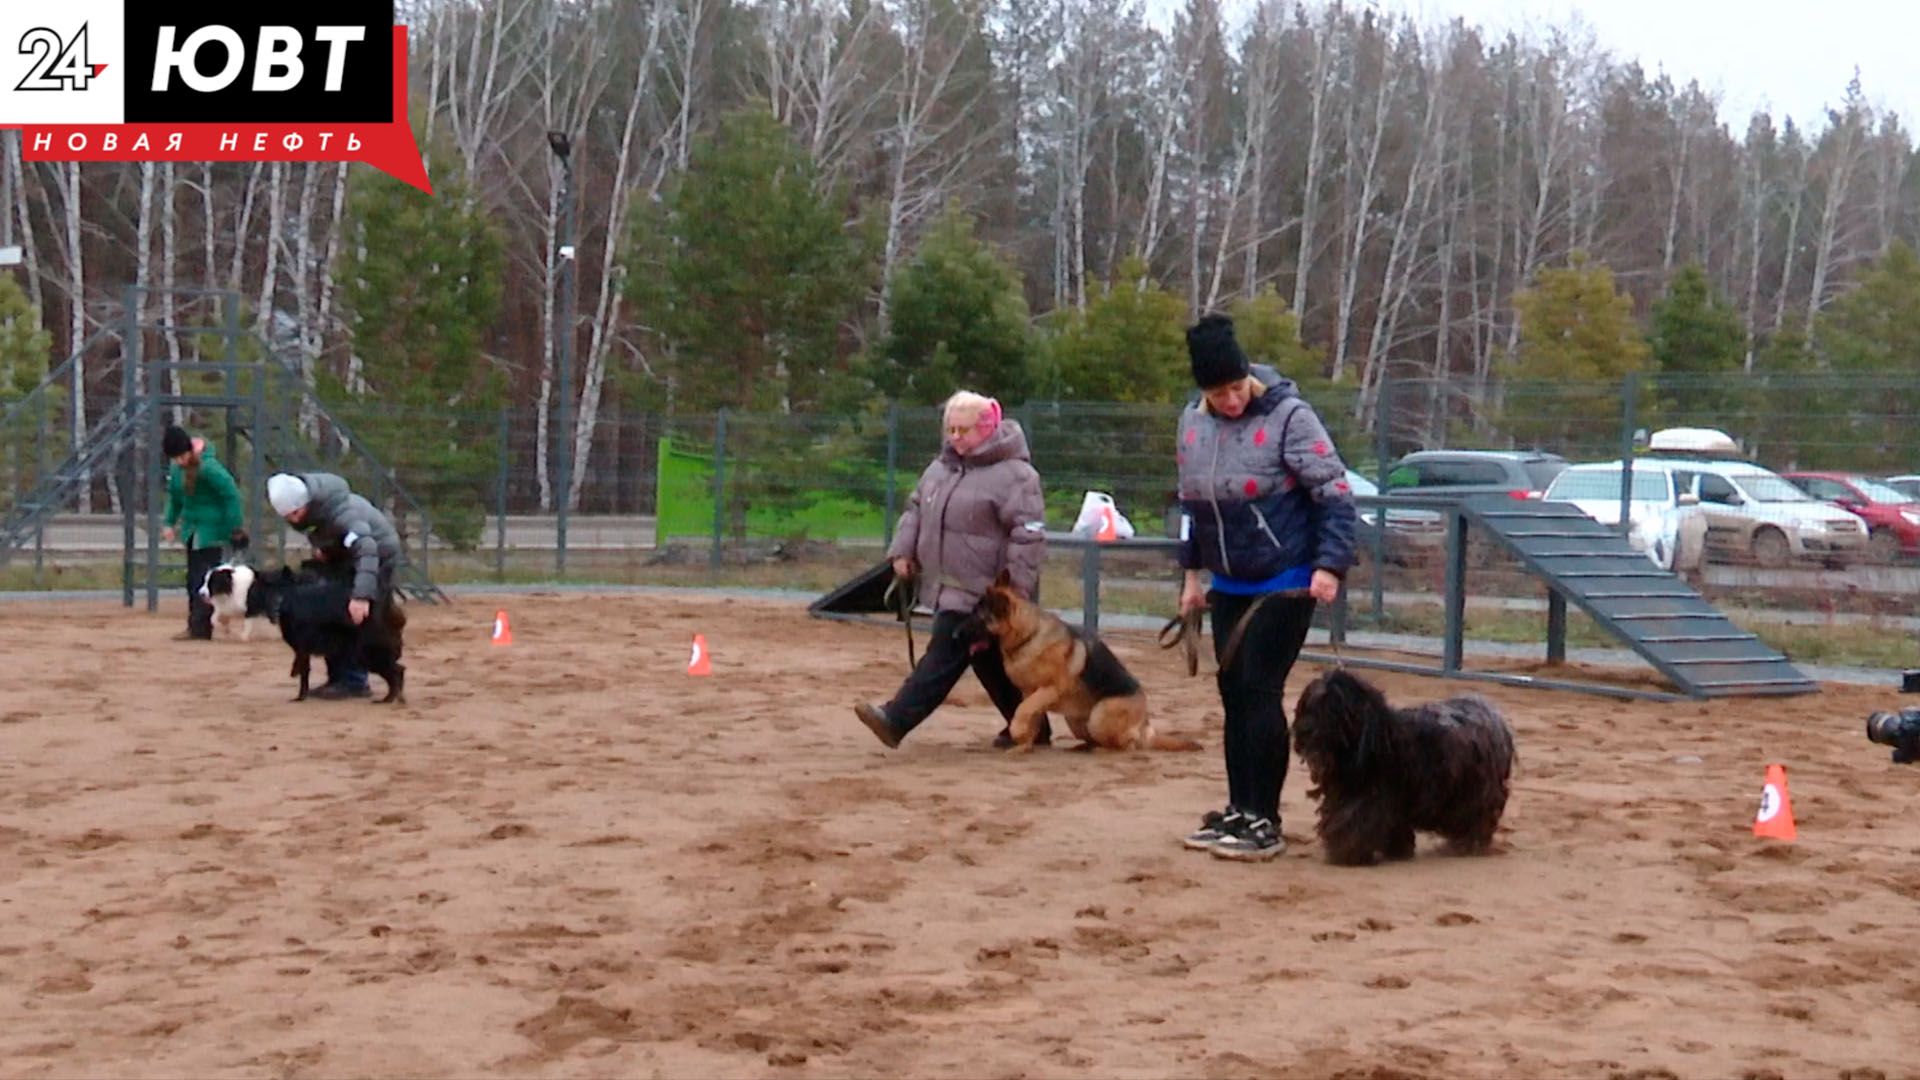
x=900, y=601
x=1185, y=630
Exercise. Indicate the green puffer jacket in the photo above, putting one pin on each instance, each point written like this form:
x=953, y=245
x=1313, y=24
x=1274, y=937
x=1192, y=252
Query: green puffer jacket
x=213, y=511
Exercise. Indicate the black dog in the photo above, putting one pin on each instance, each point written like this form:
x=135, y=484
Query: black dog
x=311, y=610
x=1380, y=773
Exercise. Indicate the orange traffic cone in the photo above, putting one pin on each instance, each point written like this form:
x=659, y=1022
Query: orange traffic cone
x=1775, y=819
x=699, y=663
x=1109, y=531
x=502, y=632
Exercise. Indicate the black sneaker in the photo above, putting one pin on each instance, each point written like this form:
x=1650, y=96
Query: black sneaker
x=878, y=723
x=1251, y=840
x=1218, y=825
x=341, y=692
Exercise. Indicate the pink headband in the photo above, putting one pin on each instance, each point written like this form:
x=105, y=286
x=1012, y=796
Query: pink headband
x=989, y=421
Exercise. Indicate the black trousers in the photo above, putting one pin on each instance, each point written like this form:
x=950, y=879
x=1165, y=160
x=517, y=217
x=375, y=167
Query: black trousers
x=200, y=562
x=947, y=658
x=1253, y=694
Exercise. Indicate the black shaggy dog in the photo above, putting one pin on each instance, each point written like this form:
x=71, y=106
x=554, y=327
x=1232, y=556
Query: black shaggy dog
x=1381, y=773
x=310, y=608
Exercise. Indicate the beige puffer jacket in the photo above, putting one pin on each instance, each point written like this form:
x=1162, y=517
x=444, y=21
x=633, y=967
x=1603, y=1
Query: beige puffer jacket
x=971, y=517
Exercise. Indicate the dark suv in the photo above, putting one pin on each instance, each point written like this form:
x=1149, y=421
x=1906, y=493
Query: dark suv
x=1523, y=474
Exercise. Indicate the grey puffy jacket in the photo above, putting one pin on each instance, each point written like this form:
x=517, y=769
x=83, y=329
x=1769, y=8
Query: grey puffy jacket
x=340, y=523
x=1264, y=493
x=971, y=517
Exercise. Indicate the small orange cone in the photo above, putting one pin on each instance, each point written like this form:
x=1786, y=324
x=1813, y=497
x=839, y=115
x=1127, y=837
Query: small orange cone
x=1109, y=532
x=502, y=632
x=1775, y=819
x=699, y=663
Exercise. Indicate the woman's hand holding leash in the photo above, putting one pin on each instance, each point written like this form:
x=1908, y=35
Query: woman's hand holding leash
x=1193, y=596
x=1325, y=587
x=899, y=596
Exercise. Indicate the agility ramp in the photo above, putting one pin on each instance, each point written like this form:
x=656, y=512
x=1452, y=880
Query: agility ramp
x=1650, y=610
x=863, y=596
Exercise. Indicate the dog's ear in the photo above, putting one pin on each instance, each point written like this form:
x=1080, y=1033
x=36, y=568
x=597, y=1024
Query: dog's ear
x=1005, y=580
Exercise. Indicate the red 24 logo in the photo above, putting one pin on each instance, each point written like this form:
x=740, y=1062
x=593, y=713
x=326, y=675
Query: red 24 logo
x=57, y=64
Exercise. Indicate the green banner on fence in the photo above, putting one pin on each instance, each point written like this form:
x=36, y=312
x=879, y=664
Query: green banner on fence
x=684, y=480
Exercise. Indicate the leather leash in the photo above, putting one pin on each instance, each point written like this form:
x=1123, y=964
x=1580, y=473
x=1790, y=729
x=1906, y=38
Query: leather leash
x=1185, y=630
x=899, y=599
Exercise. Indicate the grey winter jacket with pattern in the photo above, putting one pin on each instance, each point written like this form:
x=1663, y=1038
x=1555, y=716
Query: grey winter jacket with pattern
x=341, y=524
x=971, y=517
x=1265, y=492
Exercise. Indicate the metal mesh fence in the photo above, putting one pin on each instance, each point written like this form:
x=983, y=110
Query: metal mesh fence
x=802, y=501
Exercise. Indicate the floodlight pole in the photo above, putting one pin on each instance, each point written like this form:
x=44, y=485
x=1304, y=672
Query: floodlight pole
x=562, y=146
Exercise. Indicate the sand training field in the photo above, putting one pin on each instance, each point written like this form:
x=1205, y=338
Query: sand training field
x=568, y=858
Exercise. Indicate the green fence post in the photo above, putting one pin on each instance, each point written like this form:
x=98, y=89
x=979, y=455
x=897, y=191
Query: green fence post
x=719, y=489
x=1382, y=448
x=1556, y=627
x=46, y=466
x=1453, y=645
x=893, y=468
x=1090, y=589
x=500, y=502
x=1629, y=394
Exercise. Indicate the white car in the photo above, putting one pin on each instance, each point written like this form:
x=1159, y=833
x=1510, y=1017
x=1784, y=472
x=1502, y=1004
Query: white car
x=1666, y=521
x=1752, y=511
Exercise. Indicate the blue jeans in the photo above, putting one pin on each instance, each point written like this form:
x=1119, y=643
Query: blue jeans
x=346, y=671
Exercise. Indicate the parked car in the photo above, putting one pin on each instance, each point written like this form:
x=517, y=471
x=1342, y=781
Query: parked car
x=1906, y=485
x=1892, y=516
x=1453, y=473
x=1405, y=526
x=1752, y=511
x=1666, y=520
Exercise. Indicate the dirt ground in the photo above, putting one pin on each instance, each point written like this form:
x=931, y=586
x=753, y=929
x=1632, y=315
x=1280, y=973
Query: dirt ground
x=568, y=858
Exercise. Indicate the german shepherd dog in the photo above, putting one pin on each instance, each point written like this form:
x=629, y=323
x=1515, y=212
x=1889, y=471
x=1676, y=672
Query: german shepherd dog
x=1058, y=668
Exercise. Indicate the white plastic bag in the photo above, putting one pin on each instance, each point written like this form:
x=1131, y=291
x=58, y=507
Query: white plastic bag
x=1094, y=509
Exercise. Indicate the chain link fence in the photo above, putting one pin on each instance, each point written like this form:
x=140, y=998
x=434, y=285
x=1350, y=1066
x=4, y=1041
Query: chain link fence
x=804, y=501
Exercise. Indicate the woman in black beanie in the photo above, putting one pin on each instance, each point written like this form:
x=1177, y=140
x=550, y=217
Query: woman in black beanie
x=1266, y=510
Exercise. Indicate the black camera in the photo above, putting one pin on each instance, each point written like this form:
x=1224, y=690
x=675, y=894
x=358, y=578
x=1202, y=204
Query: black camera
x=1900, y=730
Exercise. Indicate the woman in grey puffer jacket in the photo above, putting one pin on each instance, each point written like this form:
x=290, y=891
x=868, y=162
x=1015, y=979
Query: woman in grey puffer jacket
x=976, y=511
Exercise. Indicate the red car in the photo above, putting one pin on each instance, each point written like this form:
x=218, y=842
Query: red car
x=1892, y=516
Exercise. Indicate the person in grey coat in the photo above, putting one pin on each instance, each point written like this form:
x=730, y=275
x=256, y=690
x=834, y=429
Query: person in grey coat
x=352, y=536
x=977, y=510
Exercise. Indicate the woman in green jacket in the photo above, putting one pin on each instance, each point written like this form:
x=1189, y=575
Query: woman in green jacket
x=204, y=512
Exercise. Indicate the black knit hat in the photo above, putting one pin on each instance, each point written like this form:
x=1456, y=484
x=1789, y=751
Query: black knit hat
x=175, y=441
x=1217, y=359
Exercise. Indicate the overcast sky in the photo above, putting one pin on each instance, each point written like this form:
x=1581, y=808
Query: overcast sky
x=1793, y=56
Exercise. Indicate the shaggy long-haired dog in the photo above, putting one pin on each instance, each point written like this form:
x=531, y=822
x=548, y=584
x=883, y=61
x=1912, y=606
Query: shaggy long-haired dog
x=1382, y=773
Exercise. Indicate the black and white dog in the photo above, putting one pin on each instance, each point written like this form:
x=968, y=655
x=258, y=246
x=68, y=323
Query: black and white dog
x=229, y=589
x=310, y=608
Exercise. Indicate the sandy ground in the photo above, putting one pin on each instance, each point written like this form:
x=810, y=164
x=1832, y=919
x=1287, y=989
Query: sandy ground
x=567, y=858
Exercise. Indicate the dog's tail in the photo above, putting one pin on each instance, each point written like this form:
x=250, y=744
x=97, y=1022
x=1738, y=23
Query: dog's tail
x=1158, y=741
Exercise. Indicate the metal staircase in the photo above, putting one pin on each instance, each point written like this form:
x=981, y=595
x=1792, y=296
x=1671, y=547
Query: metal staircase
x=262, y=400
x=114, y=433
x=274, y=431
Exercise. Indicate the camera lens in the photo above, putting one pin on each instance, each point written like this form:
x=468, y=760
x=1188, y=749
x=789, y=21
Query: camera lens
x=1881, y=726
